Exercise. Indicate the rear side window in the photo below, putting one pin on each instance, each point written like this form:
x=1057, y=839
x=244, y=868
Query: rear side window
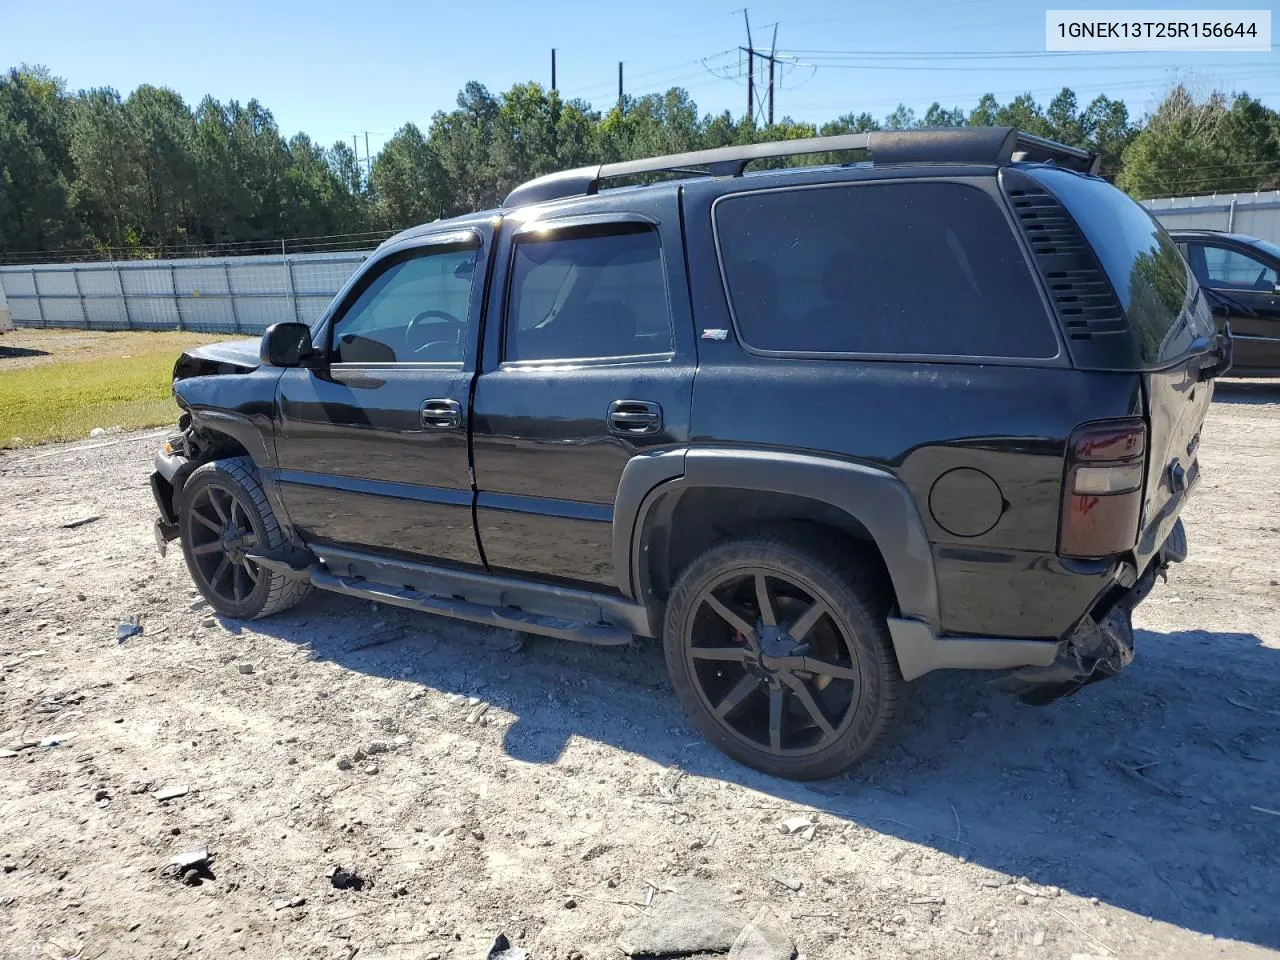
x=1148, y=273
x=920, y=268
x=588, y=295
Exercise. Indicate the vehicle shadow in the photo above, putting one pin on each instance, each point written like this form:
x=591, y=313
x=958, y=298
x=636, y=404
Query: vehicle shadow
x=13, y=353
x=1247, y=391
x=1139, y=791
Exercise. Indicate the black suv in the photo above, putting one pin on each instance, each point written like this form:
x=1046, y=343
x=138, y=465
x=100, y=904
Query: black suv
x=1241, y=275
x=823, y=429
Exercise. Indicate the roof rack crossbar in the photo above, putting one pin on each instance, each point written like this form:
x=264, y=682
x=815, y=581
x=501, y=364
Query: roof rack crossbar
x=945, y=145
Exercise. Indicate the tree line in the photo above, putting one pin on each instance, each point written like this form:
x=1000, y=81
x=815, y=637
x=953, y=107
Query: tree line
x=93, y=172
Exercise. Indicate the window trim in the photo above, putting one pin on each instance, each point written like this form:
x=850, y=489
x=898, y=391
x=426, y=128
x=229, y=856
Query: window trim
x=1058, y=359
x=591, y=225
x=420, y=247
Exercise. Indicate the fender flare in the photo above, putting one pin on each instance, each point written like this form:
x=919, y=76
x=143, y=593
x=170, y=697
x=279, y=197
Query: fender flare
x=875, y=498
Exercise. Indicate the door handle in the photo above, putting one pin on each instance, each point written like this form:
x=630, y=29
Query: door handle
x=441, y=414
x=634, y=418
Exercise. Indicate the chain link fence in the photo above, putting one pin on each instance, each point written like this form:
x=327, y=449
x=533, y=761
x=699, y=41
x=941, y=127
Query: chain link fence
x=210, y=295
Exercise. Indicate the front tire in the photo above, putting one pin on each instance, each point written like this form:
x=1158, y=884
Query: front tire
x=778, y=649
x=225, y=515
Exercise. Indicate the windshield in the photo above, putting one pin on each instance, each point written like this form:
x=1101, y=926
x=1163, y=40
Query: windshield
x=1151, y=279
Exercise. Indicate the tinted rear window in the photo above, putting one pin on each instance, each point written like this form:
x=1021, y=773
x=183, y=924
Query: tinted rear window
x=880, y=268
x=1151, y=279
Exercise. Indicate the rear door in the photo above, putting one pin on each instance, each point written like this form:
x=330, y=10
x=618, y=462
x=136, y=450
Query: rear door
x=588, y=362
x=372, y=447
x=1248, y=278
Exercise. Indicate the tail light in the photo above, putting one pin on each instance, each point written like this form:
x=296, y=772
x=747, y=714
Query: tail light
x=1102, y=497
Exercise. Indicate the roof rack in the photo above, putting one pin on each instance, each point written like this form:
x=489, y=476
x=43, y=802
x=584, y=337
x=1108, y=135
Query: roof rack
x=940, y=145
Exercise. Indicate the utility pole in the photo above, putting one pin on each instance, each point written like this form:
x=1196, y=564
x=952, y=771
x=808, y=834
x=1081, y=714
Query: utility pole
x=553, y=68
x=355, y=153
x=773, y=48
x=752, y=56
x=619, y=84
x=368, y=163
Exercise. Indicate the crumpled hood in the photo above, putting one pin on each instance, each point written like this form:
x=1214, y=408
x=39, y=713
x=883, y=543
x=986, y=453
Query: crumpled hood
x=230, y=356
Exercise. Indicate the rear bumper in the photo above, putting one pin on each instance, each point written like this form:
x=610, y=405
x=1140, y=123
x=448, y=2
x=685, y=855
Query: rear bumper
x=1101, y=644
x=1097, y=646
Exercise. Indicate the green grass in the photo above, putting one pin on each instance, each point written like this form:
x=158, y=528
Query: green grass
x=74, y=381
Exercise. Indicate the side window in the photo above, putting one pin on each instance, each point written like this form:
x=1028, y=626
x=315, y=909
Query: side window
x=415, y=310
x=1236, y=271
x=907, y=268
x=588, y=295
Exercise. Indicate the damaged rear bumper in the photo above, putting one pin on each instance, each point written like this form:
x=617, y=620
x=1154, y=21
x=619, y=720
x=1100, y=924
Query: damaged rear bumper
x=1101, y=644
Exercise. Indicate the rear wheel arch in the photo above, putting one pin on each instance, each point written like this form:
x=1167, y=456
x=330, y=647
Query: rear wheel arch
x=720, y=493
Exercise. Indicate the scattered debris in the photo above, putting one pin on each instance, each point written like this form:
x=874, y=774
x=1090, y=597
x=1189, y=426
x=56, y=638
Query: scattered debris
x=1274, y=813
x=919, y=901
x=793, y=885
x=72, y=524
x=1135, y=774
x=344, y=879
x=170, y=793
x=129, y=628
x=377, y=747
x=477, y=712
x=1037, y=938
x=570, y=904
x=5, y=754
x=245, y=668
x=370, y=768
x=288, y=904
x=195, y=857
x=101, y=795
x=52, y=742
x=190, y=866
x=1021, y=900
x=680, y=924
x=795, y=824
x=209, y=622
x=668, y=791
x=1243, y=706
x=503, y=950
x=763, y=939
x=344, y=763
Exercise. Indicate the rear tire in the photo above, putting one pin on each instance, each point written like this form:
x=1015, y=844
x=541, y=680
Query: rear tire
x=224, y=514
x=799, y=681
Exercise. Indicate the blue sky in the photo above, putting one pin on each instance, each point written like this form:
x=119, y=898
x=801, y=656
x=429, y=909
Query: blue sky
x=333, y=69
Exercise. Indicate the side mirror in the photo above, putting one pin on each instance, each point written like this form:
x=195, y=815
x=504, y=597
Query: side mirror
x=286, y=345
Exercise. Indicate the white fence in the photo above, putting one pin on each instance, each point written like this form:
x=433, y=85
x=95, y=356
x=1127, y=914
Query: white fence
x=248, y=294
x=223, y=295
x=1256, y=214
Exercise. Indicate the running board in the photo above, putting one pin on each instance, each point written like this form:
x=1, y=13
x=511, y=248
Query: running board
x=600, y=634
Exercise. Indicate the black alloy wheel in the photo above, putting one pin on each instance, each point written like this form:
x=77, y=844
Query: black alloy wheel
x=224, y=517
x=779, y=651
x=222, y=535
x=771, y=664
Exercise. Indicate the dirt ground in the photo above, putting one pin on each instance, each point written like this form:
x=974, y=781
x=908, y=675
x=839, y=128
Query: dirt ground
x=539, y=791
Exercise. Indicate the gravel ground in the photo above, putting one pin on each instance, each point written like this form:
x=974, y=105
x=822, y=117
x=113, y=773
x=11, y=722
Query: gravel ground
x=545, y=791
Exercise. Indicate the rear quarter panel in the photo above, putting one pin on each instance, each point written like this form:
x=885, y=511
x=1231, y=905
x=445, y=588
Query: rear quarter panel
x=920, y=420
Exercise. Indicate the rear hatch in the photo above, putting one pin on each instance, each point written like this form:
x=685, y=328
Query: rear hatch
x=1126, y=301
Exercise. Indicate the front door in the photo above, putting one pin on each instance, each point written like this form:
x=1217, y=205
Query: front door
x=372, y=447
x=588, y=362
x=1247, y=280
